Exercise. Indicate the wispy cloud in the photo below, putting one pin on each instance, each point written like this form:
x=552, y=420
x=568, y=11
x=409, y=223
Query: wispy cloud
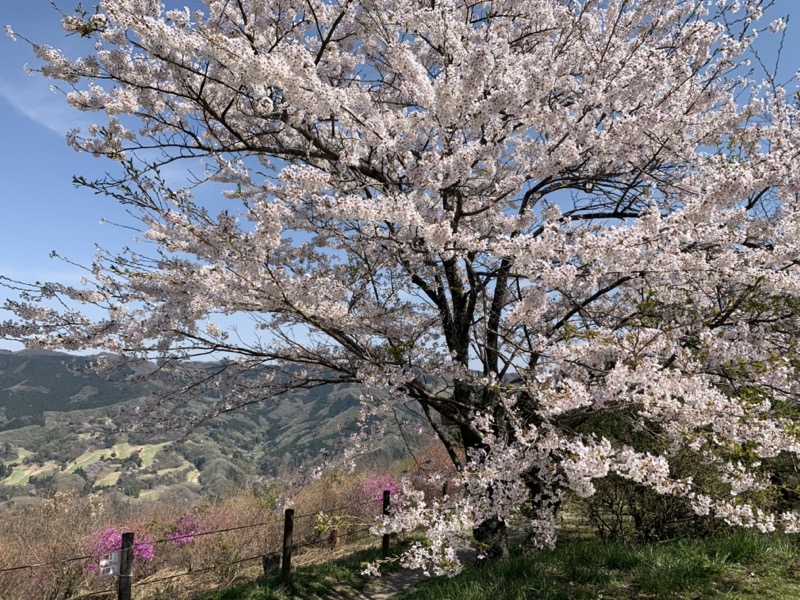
x=31, y=97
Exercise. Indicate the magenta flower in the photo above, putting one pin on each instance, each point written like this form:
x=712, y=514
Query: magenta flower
x=374, y=487
x=110, y=539
x=187, y=526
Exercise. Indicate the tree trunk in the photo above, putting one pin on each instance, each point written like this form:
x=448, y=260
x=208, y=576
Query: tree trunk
x=492, y=538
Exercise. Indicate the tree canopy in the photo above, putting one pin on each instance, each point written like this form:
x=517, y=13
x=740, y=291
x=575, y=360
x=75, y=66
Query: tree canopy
x=568, y=229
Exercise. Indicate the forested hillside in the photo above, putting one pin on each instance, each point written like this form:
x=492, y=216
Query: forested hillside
x=64, y=427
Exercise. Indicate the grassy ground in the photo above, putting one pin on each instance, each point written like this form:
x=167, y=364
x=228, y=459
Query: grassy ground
x=22, y=475
x=153, y=493
x=334, y=579
x=121, y=450
x=741, y=565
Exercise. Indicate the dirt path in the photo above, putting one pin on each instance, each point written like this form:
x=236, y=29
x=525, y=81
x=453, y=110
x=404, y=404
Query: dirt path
x=402, y=580
x=389, y=585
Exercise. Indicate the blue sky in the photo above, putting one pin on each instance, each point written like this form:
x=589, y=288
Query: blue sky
x=41, y=209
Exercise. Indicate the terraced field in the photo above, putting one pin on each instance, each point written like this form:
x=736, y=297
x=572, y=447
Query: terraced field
x=121, y=450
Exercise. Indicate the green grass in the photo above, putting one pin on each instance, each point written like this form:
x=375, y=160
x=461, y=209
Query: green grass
x=108, y=479
x=333, y=579
x=153, y=493
x=740, y=565
x=22, y=473
x=122, y=450
x=148, y=453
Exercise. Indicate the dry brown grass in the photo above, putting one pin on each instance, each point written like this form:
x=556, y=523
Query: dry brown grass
x=245, y=527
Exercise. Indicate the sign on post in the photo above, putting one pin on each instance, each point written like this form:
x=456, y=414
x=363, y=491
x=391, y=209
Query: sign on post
x=109, y=564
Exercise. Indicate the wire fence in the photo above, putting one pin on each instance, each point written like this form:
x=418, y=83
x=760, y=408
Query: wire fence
x=336, y=532
x=159, y=541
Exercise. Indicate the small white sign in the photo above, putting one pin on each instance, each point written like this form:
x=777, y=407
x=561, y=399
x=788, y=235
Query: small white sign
x=109, y=564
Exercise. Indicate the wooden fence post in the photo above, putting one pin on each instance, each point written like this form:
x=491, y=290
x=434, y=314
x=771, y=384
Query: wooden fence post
x=385, y=545
x=288, y=531
x=125, y=564
x=269, y=562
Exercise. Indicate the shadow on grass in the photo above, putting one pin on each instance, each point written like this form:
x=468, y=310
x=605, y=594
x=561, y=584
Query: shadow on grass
x=322, y=581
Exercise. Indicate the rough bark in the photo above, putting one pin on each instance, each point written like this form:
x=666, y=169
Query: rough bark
x=492, y=539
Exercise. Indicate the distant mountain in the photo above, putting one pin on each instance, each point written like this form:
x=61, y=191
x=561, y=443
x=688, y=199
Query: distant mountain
x=62, y=427
x=34, y=382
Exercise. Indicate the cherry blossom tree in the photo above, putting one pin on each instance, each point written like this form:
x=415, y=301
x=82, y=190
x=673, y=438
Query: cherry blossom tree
x=548, y=223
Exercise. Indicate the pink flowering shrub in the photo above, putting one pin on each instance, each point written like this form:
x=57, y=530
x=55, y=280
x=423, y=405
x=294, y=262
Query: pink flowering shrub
x=187, y=526
x=373, y=487
x=206, y=527
x=110, y=539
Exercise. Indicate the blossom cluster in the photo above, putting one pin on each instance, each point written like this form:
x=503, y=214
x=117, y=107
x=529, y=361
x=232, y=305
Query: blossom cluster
x=186, y=527
x=373, y=488
x=110, y=540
